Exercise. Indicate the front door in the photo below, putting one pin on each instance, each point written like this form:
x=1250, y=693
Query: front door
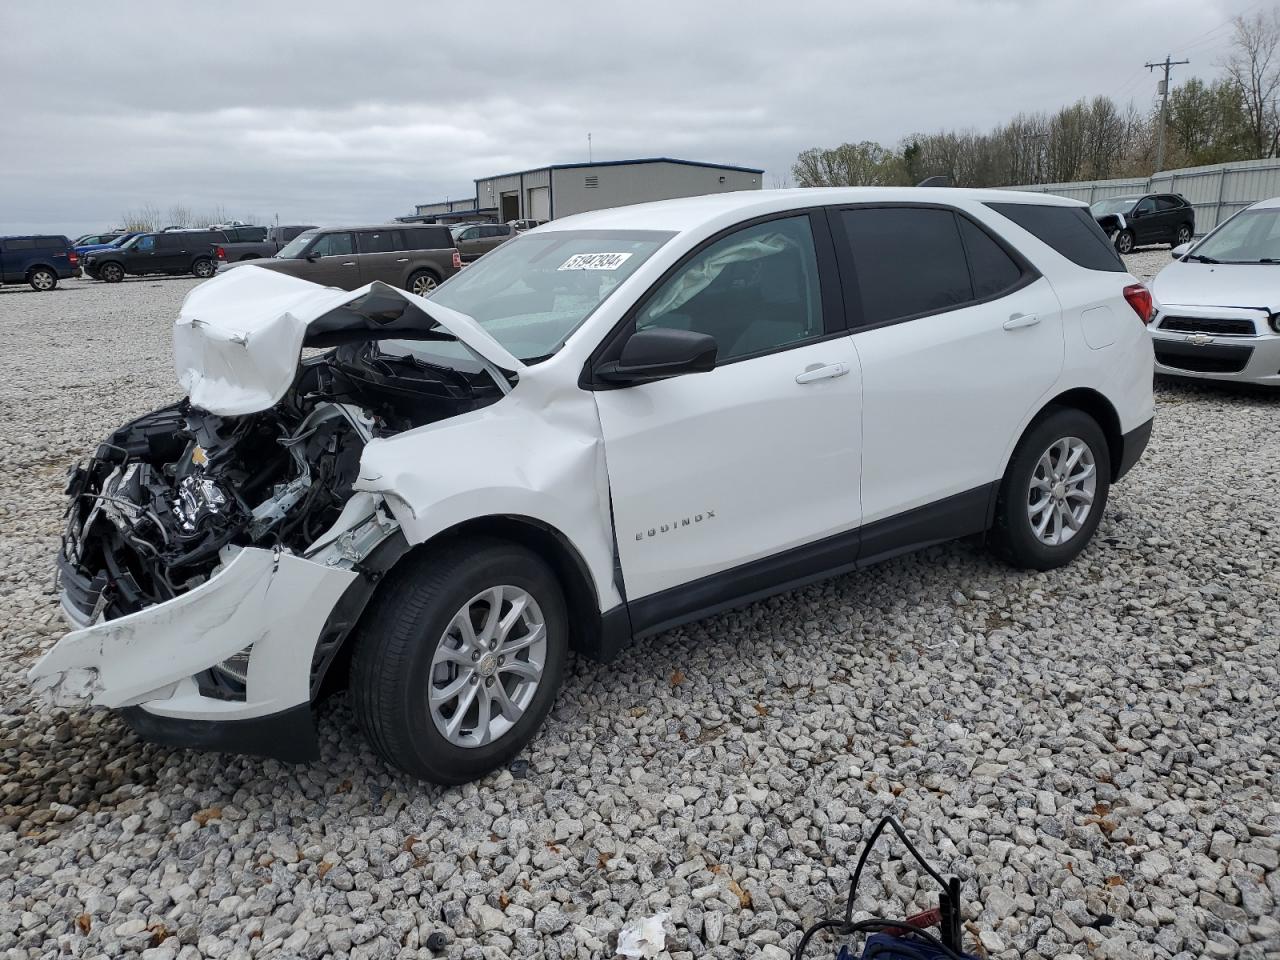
x=336, y=263
x=759, y=457
x=959, y=339
x=141, y=257
x=1145, y=222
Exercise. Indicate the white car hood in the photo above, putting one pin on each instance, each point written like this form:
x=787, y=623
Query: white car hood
x=1243, y=285
x=239, y=336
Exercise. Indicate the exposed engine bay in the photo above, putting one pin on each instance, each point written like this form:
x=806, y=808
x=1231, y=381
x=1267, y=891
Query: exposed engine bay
x=171, y=496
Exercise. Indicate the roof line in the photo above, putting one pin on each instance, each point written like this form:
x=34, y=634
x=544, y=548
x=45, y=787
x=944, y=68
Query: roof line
x=624, y=163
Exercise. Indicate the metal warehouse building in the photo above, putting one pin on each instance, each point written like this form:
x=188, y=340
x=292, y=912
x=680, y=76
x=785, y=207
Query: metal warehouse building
x=562, y=189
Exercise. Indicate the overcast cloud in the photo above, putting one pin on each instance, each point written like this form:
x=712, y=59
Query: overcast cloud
x=328, y=112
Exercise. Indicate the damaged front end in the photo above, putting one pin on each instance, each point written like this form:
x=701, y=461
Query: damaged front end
x=215, y=557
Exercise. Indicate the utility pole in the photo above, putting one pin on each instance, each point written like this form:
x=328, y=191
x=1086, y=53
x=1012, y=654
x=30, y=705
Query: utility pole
x=1163, y=89
x=589, y=148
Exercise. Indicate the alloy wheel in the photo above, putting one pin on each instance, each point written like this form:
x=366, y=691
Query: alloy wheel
x=1184, y=235
x=423, y=285
x=1124, y=242
x=1062, y=489
x=43, y=280
x=487, y=666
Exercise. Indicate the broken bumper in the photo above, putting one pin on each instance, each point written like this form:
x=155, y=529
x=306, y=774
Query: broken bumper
x=272, y=606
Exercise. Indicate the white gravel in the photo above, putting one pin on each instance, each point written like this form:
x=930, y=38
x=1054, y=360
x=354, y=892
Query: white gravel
x=1093, y=750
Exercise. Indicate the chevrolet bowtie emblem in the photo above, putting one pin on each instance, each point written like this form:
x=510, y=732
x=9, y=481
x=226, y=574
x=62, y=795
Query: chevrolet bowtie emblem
x=1199, y=339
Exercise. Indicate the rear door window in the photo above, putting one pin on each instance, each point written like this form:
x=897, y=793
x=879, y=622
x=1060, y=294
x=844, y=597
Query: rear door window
x=382, y=241
x=1168, y=203
x=909, y=261
x=23, y=244
x=1071, y=231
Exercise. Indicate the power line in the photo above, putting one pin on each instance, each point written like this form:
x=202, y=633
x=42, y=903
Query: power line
x=1163, y=90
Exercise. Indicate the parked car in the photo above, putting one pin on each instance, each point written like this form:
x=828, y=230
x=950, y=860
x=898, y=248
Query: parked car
x=1218, y=303
x=522, y=225
x=97, y=239
x=477, y=239
x=272, y=243
x=1138, y=221
x=415, y=257
x=167, y=252
x=39, y=260
x=618, y=423
x=83, y=250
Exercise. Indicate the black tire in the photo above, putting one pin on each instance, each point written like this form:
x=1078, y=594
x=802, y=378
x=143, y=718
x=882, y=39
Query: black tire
x=1013, y=536
x=111, y=272
x=1124, y=241
x=203, y=268
x=391, y=667
x=426, y=279
x=1182, y=236
x=42, y=279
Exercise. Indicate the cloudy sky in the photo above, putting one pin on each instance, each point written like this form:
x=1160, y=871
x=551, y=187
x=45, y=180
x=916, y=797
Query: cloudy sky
x=327, y=112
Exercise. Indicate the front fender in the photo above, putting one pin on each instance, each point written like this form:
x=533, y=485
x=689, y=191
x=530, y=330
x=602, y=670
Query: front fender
x=537, y=453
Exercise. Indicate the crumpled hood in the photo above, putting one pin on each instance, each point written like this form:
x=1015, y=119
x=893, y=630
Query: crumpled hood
x=239, y=336
x=1245, y=285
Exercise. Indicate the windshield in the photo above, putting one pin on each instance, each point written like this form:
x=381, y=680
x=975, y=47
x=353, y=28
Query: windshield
x=131, y=242
x=293, y=249
x=1249, y=237
x=532, y=292
x=121, y=240
x=1102, y=208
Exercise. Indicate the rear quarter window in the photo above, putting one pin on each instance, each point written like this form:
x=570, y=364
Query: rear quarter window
x=24, y=244
x=429, y=238
x=1071, y=231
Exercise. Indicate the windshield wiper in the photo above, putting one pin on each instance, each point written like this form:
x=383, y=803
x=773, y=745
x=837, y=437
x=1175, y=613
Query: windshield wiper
x=1200, y=257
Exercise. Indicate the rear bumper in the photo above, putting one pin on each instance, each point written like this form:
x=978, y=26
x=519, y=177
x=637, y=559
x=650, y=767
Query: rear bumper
x=1132, y=445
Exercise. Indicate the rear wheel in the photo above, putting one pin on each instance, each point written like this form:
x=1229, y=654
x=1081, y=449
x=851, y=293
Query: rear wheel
x=459, y=658
x=42, y=279
x=1124, y=241
x=422, y=283
x=111, y=272
x=203, y=268
x=1183, y=236
x=1053, y=492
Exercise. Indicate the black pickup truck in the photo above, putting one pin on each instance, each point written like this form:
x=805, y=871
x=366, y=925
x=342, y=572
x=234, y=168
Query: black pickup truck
x=276, y=238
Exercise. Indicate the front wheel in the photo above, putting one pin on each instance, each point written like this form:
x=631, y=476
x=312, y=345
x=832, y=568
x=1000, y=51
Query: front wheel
x=1054, y=491
x=203, y=268
x=1124, y=241
x=42, y=279
x=111, y=272
x=459, y=658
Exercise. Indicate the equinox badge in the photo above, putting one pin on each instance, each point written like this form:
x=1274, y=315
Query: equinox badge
x=674, y=524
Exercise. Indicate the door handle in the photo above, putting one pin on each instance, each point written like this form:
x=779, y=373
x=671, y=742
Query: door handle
x=349, y=263
x=402, y=260
x=1020, y=320
x=819, y=371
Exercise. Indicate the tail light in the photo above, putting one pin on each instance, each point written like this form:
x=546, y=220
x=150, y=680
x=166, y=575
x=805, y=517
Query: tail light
x=222, y=255
x=1139, y=298
x=73, y=257
x=457, y=260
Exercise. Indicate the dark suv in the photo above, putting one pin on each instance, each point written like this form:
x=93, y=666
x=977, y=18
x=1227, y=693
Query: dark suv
x=172, y=252
x=413, y=257
x=1138, y=220
x=38, y=260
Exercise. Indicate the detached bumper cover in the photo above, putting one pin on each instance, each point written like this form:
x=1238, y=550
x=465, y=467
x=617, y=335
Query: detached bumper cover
x=276, y=605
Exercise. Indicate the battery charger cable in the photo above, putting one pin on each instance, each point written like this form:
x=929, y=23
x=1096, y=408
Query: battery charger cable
x=898, y=939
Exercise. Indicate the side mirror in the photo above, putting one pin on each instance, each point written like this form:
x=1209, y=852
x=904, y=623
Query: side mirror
x=659, y=353
x=1180, y=251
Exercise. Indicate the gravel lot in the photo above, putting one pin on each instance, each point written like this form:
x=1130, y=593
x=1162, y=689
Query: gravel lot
x=1093, y=750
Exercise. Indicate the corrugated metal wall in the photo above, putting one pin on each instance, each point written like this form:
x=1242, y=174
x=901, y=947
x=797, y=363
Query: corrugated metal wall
x=1216, y=191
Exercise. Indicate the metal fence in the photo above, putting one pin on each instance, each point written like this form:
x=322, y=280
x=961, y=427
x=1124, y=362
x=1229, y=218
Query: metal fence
x=1216, y=191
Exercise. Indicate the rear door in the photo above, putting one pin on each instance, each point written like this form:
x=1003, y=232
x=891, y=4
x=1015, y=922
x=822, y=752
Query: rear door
x=171, y=254
x=336, y=263
x=1172, y=214
x=382, y=256
x=959, y=338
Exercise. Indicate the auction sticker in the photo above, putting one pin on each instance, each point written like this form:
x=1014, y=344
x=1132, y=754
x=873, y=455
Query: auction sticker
x=594, y=261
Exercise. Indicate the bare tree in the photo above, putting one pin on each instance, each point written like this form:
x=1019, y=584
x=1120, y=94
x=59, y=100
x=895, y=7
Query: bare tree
x=145, y=218
x=1254, y=67
x=180, y=216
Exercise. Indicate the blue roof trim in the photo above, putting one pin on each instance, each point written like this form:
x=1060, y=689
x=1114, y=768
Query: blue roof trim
x=624, y=163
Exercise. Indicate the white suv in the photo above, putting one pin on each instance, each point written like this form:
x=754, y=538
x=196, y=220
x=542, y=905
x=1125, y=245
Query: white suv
x=615, y=424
